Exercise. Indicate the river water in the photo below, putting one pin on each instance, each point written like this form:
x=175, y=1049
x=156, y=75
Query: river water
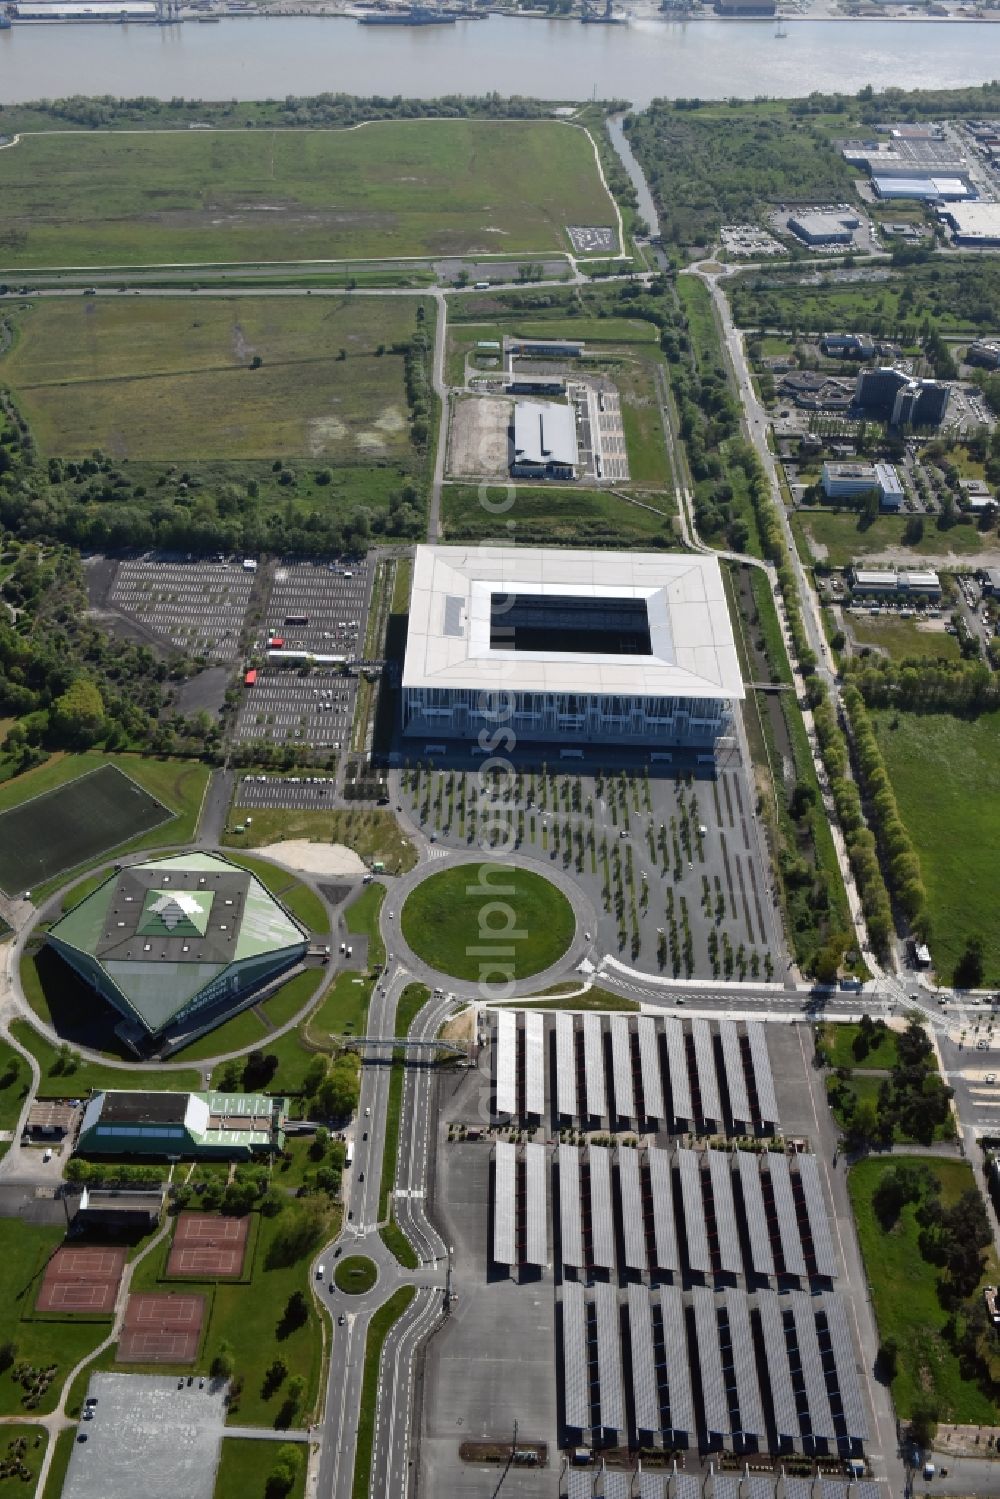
x=257, y=58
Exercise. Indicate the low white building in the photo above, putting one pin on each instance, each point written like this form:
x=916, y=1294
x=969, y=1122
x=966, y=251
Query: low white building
x=531, y=644
x=884, y=581
x=844, y=481
x=545, y=445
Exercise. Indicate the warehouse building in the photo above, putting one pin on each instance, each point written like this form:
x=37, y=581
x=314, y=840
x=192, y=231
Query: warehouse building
x=544, y=441
x=874, y=582
x=825, y=228
x=177, y=944
x=899, y=399
x=848, y=345
x=848, y=480
x=222, y=1126
x=569, y=647
x=984, y=352
x=926, y=189
x=975, y=224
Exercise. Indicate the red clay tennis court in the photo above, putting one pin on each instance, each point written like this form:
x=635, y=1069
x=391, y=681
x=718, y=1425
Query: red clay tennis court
x=206, y=1246
x=161, y=1328
x=81, y=1278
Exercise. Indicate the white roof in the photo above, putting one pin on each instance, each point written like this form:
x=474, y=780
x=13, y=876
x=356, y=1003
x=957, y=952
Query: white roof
x=545, y=432
x=976, y=219
x=693, y=653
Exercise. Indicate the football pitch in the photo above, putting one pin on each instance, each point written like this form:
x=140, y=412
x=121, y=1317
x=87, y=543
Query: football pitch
x=71, y=825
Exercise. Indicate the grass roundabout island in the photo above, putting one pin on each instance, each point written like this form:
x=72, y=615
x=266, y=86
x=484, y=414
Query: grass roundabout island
x=522, y=921
x=355, y=1275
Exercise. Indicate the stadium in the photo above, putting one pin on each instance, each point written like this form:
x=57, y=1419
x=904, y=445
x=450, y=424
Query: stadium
x=570, y=647
x=177, y=945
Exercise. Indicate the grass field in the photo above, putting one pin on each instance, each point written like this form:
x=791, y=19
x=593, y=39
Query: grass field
x=838, y=1042
x=244, y=1468
x=901, y=638
x=356, y=1274
x=362, y=918
x=71, y=825
x=35, y=1440
x=907, y=1307
x=60, y=1462
x=14, y=1079
x=24, y=1249
x=374, y=834
x=178, y=784
x=594, y=999
x=344, y=1008
x=398, y=188
x=833, y=536
x=450, y=914
x=58, y=1083
x=168, y=379
x=378, y=1330
x=944, y=773
x=864, y=1088
x=558, y=517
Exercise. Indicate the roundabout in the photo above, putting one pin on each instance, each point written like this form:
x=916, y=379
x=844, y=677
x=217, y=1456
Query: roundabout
x=469, y=915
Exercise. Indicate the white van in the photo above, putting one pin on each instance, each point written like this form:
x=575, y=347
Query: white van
x=320, y=1272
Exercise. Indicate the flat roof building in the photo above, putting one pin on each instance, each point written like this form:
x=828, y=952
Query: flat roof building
x=230, y=1126
x=926, y=189
x=890, y=488
x=569, y=646
x=900, y=399
x=975, y=224
x=178, y=943
x=824, y=228
x=885, y=581
x=545, y=445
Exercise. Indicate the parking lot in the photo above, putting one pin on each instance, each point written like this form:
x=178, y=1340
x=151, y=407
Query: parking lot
x=287, y=793
x=592, y=239
x=284, y=708
x=320, y=607
x=199, y=607
x=603, y=420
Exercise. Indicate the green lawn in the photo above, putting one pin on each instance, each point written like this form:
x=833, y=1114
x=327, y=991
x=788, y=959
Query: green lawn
x=303, y=902
x=903, y=638
x=244, y=1468
x=594, y=999
x=398, y=1244
x=35, y=1440
x=944, y=773
x=838, y=1042
x=373, y=833
x=559, y=516
x=14, y=1080
x=355, y=1274
x=344, y=1008
x=60, y=1462
x=362, y=917
x=833, y=536
x=862, y=1088
x=60, y=1084
x=378, y=1330
x=166, y=379
x=178, y=784
x=411, y=187
x=24, y=1249
x=451, y=913
x=907, y=1307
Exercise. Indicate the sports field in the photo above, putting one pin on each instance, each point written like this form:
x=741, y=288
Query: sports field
x=172, y=379
x=410, y=187
x=72, y=825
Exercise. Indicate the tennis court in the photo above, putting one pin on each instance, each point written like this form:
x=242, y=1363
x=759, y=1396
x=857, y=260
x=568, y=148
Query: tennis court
x=208, y=1246
x=72, y=825
x=161, y=1328
x=81, y=1279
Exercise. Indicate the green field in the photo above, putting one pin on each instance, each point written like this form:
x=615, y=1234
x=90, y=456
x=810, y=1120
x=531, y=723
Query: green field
x=421, y=187
x=373, y=833
x=344, y=1008
x=171, y=378
x=245, y=1466
x=35, y=1440
x=362, y=919
x=451, y=913
x=71, y=825
x=902, y=638
x=835, y=537
x=60, y=1462
x=559, y=516
x=60, y=1082
x=944, y=773
x=355, y=1275
x=839, y=1043
x=907, y=1306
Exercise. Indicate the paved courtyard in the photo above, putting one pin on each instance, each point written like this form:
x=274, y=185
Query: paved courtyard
x=148, y=1437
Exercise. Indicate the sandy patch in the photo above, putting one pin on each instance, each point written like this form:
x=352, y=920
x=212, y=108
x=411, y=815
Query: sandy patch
x=391, y=420
x=315, y=858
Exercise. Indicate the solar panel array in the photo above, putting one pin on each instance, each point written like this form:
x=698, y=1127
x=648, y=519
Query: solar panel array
x=536, y=1233
x=653, y=1103
x=811, y=1366
x=534, y=1063
x=767, y=1103
x=505, y=1204
x=579, y=1485
x=715, y=1406
x=633, y=1212
x=819, y=1223
x=755, y=1213
x=726, y=1486
x=506, y=1062
x=609, y=1358
x=680, y=1400
x=664, y=1224
x=645, y=1391
x=698, y=1253
x=743, y=1363
x=593, y=1058
x=566, y=1066
x=786, y=1214
x=727, y=1234
x=687, y=1486
x=570, y=1218
x=848, y=1384
x=621, y=1067
x=680, y=1082
x=708, y=1085
x=786, y=1417
x=736, y=1083
x=652, y=1485
x=617, y=1485
x=576, y=1358
x=602, y=1223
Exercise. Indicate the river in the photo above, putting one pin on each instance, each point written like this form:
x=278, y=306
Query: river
x=261, y=58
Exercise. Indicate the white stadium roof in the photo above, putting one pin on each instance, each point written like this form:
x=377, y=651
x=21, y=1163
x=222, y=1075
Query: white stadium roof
x=692, y=654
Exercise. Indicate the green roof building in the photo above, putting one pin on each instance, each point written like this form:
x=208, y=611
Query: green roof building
x=178, y=944
x=224, y=1126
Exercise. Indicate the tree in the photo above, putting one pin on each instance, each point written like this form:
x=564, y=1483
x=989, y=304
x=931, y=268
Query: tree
x=970, y=967
x=296, y=1311
x=223, y=1363
x=320, y=1141
x=274, y=1377
x=281, y=1479
x=77, y=716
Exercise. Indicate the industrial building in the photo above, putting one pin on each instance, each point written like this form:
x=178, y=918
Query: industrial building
x=544, y=441
x=222, y=1126
x=984, y=352
x=746, y=7
x=848, y=480
x=899, y=399
x=975, y=225
x=177, y=944
x=848, y=345
x=926, y=189
x=828, y=228
x=569, y=647
x=876, y=582
x=98, y=10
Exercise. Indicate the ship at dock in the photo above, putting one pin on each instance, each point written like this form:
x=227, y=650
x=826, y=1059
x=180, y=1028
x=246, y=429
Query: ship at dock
x=414, y=15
